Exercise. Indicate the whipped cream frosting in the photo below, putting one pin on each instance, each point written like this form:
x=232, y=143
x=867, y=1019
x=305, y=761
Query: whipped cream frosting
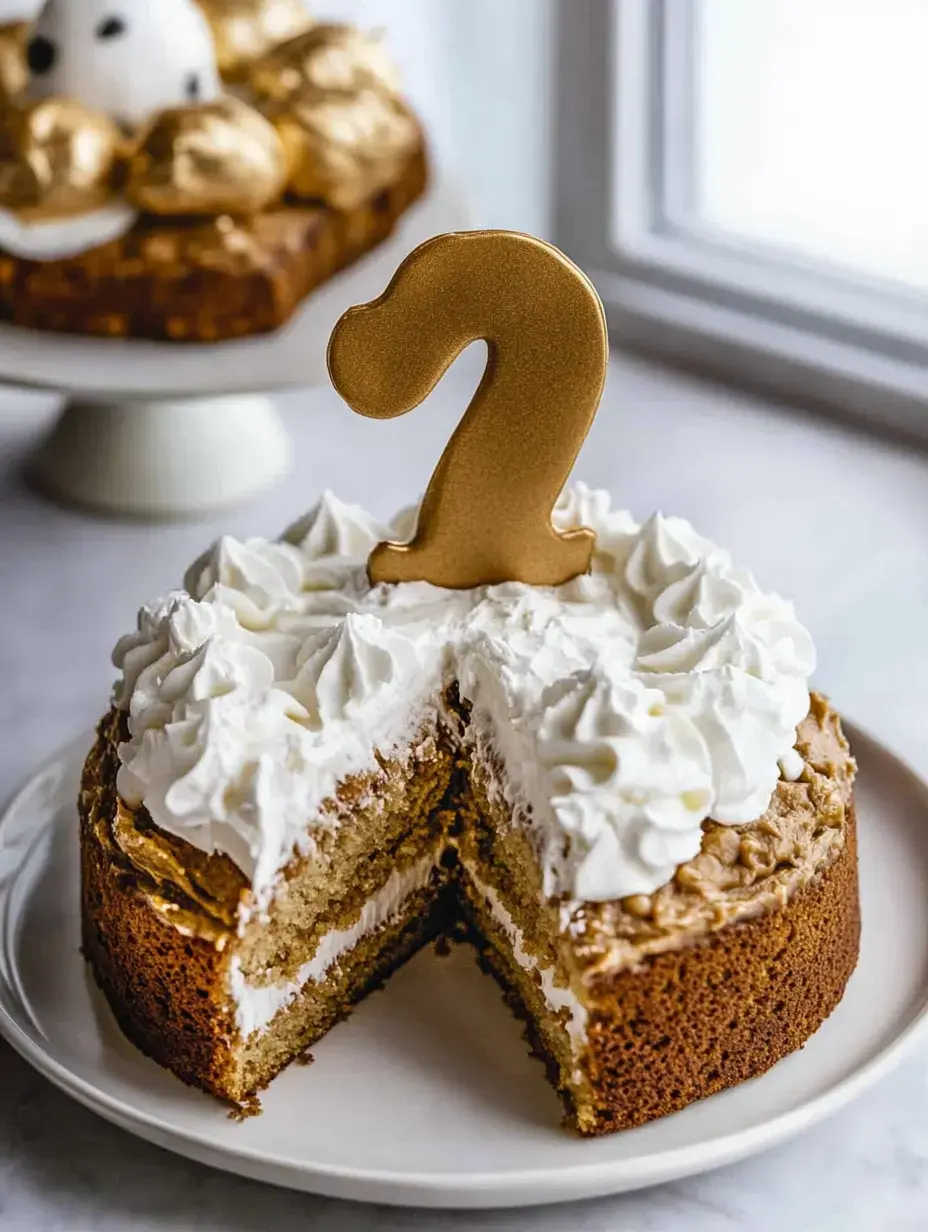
x=626, y=707
x=60, y=238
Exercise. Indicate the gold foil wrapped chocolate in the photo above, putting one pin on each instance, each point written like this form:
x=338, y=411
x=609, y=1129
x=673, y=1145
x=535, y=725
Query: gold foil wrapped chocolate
x=14, y=72
x=327, y=125
x=57, y=159
x=327, y=57
x=218, y=158
x=245, y=30
x=341, y=148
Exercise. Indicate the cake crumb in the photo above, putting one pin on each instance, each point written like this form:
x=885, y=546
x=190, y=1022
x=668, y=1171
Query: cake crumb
x=304, y=1058
x=250, y=1107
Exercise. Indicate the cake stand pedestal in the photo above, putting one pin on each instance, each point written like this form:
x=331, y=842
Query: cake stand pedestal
x=162, y=457
x=164, y=430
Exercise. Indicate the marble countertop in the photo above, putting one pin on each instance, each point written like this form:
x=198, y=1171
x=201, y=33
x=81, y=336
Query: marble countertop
x=821, y=513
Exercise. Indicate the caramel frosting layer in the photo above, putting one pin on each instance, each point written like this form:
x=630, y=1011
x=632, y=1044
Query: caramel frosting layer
x=196, y=892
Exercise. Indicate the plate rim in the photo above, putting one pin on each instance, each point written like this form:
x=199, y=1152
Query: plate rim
x=476, y=1189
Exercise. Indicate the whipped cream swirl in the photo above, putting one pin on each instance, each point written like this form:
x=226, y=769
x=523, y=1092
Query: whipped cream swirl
x=242, y=729
x=347, y=670
x=626, y=707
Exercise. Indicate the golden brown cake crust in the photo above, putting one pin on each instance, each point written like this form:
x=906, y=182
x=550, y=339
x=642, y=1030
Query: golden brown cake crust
x=695, y=1021
x=202, y=280
x=673, y=1027
x=164, y=980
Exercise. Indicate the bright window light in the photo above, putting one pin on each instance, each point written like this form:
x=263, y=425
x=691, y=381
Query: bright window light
x=811, y=130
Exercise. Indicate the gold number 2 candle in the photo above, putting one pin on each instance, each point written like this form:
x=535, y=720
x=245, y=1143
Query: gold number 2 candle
x=486, y=515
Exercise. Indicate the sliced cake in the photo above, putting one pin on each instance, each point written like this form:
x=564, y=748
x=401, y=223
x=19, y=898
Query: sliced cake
x=619, y=790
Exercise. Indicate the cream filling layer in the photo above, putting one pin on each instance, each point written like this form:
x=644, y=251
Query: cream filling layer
x=557, y=997
x=257, y=1004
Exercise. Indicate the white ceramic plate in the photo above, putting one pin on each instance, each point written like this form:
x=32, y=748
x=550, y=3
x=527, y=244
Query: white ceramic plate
x=427, y=1095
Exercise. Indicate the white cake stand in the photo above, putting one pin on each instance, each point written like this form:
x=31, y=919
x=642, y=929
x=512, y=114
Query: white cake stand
x=156, y=429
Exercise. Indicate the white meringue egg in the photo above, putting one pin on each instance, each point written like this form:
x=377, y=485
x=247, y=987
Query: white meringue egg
x=128, y=58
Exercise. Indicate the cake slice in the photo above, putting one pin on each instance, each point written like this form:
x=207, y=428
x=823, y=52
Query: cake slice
x=642, y=1005
x=620, y=788
x=225, y=1005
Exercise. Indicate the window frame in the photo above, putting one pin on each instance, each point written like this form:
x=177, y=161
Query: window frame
x=625, y=168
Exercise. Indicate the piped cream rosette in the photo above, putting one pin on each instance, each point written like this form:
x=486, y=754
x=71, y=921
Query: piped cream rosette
x=317, y=117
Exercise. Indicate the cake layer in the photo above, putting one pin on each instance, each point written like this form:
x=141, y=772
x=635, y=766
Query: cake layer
x=196, y=280
x=535, y=987
x=159, y=960
x=711, y=980
x=633, y=1022
x=258, y=1002
x=553, y=982
x=381, y=823
x=348, y=964
x=692, y=1022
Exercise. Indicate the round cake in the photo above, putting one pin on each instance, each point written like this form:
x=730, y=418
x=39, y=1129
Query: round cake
x=620, y=791
x=189, y=171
